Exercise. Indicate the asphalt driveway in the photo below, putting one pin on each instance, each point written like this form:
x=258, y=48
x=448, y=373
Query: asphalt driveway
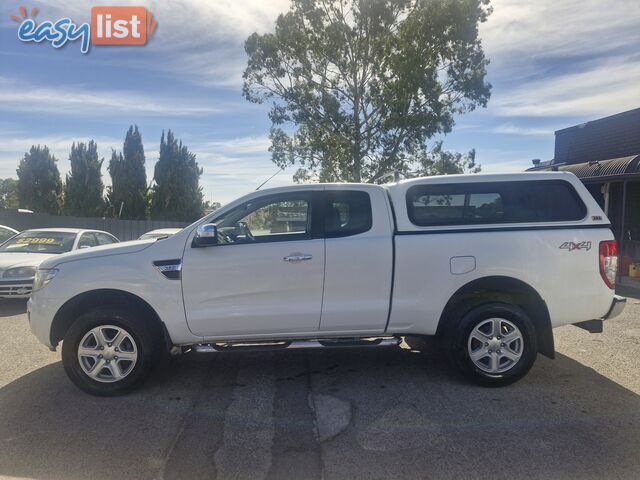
x=387, y=413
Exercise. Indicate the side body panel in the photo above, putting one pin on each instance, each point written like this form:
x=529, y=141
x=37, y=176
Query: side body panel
x=568, y=281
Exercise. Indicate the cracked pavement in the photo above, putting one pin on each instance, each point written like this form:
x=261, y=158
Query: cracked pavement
x=378, y=413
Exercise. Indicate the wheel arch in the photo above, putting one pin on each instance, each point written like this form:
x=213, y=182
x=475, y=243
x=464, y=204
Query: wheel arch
x=67, y=314
x=502, y=289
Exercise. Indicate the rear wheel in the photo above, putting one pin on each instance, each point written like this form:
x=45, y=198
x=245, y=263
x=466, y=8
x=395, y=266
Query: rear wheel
x=494, y=345
x=109, y=351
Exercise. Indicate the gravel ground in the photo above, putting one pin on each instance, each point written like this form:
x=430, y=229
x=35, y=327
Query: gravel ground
x=386, y=413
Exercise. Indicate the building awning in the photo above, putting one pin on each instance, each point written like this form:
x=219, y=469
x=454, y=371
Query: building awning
x=612, y=169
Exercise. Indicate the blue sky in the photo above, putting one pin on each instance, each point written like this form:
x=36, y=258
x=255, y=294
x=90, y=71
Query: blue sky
x=553, y=64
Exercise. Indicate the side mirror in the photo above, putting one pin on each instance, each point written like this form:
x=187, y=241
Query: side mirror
x=206, y=236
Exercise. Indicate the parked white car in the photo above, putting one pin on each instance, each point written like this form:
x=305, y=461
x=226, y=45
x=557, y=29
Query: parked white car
x=21, y=255
x=6, y=233
x=159, y=233
x=486, y=265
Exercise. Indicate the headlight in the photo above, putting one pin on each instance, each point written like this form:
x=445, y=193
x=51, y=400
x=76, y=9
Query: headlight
x=43, y=277
x=19, y=272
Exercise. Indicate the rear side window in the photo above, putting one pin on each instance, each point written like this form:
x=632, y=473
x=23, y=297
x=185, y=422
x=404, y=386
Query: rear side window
x=496, y=202
x=346, y=213
x=104, y=239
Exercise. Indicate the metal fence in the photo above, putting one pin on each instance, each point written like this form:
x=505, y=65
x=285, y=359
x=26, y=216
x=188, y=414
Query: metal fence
x=122, y=229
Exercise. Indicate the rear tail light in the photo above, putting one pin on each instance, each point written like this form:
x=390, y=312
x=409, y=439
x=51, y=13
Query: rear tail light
x=609, y=262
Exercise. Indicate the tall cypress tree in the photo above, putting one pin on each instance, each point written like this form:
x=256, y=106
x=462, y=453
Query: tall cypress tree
x=177, y=194
x=128, y=189
x=39, y=183
x=83, y=188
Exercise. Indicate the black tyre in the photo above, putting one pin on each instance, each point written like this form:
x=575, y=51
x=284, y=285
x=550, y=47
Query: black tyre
x=494, y=344
x=110, y=351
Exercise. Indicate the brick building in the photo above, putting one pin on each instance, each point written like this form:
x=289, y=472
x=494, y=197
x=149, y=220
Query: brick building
x=605, y=155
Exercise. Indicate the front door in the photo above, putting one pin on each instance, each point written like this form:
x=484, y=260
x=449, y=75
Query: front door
x=265, y=275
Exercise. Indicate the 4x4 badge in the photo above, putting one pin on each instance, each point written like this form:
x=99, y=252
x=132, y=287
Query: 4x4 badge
x=571, y=246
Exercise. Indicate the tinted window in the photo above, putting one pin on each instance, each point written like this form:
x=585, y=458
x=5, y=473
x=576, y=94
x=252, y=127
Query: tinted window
x=274, y=218
x=497, y=202
x=346, y=213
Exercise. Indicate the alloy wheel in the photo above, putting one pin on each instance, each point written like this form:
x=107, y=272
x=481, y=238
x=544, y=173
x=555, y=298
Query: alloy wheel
x=495, y=345
x=107, y=353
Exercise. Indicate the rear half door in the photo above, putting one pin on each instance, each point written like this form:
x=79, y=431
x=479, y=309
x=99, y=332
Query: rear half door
x=358, y=259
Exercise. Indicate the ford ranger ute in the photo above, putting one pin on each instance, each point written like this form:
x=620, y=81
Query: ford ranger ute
x=486, y=265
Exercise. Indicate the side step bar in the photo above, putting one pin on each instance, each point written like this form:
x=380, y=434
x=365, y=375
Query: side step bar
x=297, y=344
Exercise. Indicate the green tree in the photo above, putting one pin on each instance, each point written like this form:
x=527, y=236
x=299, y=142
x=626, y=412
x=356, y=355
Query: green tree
x=9, y=193
x=443, y=162
x=39, y=183
x=83, y=189
x=356, y=85
x=177, y=194
x=128, y=194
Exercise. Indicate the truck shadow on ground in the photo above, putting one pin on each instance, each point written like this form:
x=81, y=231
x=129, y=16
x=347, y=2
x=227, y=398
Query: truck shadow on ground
x=257, y=415
x=10, y=307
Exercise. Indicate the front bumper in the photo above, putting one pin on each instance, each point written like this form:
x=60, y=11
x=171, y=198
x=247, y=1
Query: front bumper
x=40, y=316
x=595, y=326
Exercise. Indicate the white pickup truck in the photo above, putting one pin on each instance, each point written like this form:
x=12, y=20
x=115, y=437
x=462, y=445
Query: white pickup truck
x=485, y=264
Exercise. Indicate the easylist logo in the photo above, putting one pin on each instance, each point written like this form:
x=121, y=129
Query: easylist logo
x=109, y=26
x=121, y=25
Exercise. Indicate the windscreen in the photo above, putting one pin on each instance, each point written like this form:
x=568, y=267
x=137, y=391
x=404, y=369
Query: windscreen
x=40, y=242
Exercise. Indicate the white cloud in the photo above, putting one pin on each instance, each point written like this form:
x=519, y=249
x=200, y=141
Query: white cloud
x=604, y=88
x=240, y=146
x=80, y=101
x=570, y=58
x=513, y=129
x=499, y=160
x=520, y=32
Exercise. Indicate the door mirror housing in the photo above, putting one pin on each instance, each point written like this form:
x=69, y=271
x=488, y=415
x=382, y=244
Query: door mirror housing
x=206, y=236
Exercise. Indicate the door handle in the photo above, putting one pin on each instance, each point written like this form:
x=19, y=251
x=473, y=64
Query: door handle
x=297, y=257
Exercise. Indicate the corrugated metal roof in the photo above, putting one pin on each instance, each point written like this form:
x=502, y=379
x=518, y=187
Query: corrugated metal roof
x=603, y=168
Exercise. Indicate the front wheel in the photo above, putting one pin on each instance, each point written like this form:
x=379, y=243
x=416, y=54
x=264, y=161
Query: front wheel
x=494, y=345
x=109, y=351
